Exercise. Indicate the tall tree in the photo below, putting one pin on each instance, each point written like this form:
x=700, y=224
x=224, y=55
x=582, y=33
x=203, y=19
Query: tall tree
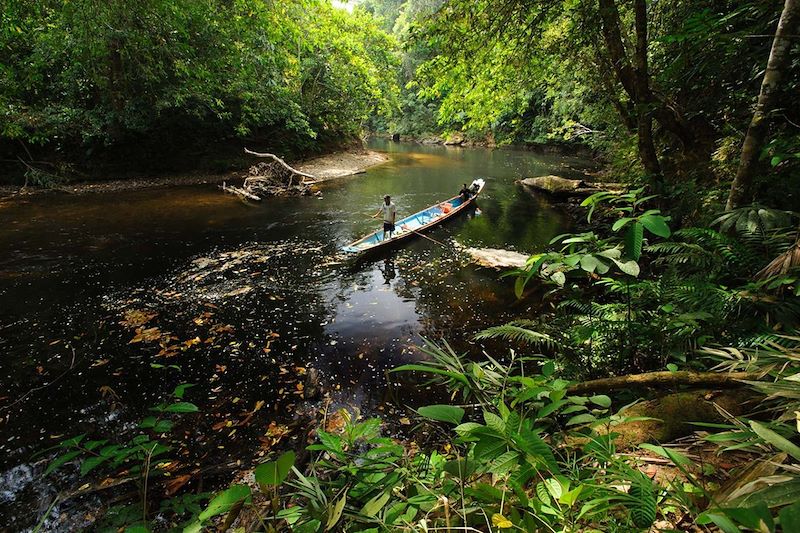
x=742, y=187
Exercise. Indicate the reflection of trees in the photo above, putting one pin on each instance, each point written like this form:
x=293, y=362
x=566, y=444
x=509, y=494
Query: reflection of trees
x=520, y=220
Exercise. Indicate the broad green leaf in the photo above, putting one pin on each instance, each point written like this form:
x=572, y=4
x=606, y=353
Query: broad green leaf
x=559, y=278
x=719, y=519
x=589, y=263
x=91, y=463
x=224, y=501
x=273, y=473
x=505, y=463
x=581, y=419
x=629, y=267
x=601, y=399
x=373, y=506
x=790, y=517
x=443, y=413
x=656, y=224
x=180, y=390
x=620, y=223
x=633, y=241
x=311, y=526
x=494, y=422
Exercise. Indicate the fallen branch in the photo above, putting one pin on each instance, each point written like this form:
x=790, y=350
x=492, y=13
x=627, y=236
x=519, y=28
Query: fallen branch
x=239, y=192
x=282, y=163
x=666, y=378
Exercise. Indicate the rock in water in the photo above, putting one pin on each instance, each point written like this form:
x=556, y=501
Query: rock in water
x=553, y=184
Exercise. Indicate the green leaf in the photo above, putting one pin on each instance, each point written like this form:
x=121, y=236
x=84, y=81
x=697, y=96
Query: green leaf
x=224, y=501
x=148, y=422
x=620, y=223
x=372, y=507
x=548, y=368
x=335, y=512
x=505, y=463
x=656, y=224
x=601, y=399
x=772, y=496
x=628, y=267
x=433, y=370
x=633, y=241
x=311, y=526
x=181, y=389
x=443, y=413
x=180, y=407
x=494, y=422
x=672, y=455
x=59, y=461
x=559, y=278
x=91, y=463
x=776, y=440
x=790, y=517
x=643, y=501
x=162, y=426
x=589, y=263
x=273, y=473
x=581, y=419
x=719, y=519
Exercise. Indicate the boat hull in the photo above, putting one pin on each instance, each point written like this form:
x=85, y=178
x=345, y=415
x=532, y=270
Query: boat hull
x=413, y=225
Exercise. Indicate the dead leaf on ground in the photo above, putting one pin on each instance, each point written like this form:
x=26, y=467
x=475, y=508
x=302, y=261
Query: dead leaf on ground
x=146, y=335
x=135, y=318
x=239, y=291
x=175, y=484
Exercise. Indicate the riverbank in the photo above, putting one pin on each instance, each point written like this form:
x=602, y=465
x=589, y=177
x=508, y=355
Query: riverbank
x=325, y=167
x=458, y=140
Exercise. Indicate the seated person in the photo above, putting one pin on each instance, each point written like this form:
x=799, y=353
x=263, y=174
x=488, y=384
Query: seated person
x=465, y=193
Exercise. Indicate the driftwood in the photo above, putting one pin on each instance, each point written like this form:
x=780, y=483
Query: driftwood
x=272, y=178
x=496, y=258
x=239, y=192
x=666, y=378
x=282, y=164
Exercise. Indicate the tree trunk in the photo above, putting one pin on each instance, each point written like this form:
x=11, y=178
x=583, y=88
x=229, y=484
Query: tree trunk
x=631, y=77
x=641, y=80
x=663, y=379
x=741, y=192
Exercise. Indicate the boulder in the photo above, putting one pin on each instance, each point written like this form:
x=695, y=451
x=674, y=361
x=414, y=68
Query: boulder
x=562, y=187
x=456, y=139
x=555, y=185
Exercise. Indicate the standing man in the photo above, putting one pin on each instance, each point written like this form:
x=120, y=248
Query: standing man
x=389, y=215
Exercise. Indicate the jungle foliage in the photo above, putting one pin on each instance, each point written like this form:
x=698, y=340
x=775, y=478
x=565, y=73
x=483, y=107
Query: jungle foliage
x=83, y=77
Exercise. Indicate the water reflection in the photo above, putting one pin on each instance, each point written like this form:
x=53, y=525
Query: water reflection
x=244, y=298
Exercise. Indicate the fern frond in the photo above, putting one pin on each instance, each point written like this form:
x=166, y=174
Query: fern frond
x=517, y=331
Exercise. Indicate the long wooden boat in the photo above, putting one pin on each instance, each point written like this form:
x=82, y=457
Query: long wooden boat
x=417, y=223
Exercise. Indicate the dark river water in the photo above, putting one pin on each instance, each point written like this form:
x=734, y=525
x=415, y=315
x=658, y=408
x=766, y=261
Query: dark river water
x=108, y=301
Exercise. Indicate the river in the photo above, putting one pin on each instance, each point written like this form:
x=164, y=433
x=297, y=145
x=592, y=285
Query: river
x=111, y=300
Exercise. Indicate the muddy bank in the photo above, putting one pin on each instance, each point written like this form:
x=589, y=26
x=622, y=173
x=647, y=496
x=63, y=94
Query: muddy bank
x=334, y=165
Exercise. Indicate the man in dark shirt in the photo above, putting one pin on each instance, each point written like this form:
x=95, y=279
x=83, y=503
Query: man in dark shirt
x=465, y=193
